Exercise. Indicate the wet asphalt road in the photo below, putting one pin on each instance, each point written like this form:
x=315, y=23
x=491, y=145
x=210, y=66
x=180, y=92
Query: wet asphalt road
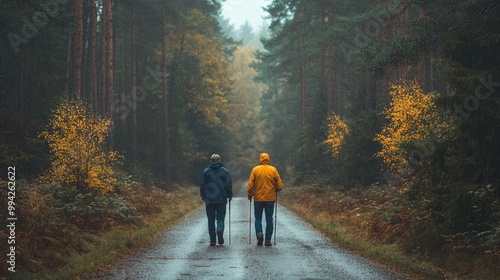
x=183, y=252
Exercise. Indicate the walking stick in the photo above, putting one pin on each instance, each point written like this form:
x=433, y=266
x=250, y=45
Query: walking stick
x=229, y=222
x=250, y=224
x=275, y=217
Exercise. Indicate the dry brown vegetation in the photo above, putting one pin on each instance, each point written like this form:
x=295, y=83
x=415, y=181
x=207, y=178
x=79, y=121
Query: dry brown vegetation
x=60, y=226
x=381, y=223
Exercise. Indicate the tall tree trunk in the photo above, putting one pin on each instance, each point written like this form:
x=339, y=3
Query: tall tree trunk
x=368, y=92
x=78, y=49
x=86, y=64
x=431, y=70
x=20, y=97
x=109, y=56
x=422, y=57
x=402, y=31
x=330, y=80
x=108, y=9
x=68, y=66
x=104, y=68
x=303, y=91
x=299, y=16
x=386, y=80
x=134, y=79
x=340, y=87
x=166, y=129
x=92, y=55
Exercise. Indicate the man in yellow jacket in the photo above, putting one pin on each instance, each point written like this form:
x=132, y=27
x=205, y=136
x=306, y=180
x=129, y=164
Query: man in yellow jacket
x=263, y=185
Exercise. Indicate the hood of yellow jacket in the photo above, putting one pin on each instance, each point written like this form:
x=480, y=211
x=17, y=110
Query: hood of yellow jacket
x=265, y=158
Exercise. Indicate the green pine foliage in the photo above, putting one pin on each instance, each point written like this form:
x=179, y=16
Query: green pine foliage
x=341, y=57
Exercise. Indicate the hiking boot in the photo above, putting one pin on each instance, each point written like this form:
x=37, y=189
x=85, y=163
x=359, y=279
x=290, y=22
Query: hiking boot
x=268, y=243
x=260, y=238
x=219, y=236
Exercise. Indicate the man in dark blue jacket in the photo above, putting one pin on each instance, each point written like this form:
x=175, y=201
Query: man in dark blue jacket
x=216, y=189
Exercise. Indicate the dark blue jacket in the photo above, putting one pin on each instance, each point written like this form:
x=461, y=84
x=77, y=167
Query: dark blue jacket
x=216, y=185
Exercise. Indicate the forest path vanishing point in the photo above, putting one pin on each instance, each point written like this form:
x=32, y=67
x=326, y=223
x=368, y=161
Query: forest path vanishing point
x=183, y=252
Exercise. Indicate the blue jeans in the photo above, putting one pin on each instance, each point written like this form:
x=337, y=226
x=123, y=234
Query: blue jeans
x=216, y=210
x=268, y=208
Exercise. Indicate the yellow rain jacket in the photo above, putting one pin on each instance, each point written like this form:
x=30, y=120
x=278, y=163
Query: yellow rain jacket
x=264, y=181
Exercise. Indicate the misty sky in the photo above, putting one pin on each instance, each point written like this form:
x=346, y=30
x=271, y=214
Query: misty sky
x=239, y=11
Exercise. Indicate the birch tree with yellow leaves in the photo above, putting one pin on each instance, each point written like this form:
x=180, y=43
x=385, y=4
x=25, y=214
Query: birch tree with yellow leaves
x=337, y=131
x=414, y=122
x=77, y=141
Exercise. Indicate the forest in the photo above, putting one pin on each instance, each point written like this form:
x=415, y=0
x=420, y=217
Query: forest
x=116, y=103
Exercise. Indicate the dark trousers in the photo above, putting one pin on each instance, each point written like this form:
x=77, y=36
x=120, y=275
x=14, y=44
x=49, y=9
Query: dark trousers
x=268, y=208
x=215, y=211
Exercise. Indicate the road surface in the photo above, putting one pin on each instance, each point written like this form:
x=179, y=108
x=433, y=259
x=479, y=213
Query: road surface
x=183, y=252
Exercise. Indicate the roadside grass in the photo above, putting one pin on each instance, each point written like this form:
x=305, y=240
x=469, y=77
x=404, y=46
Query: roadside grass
x=388, y=255
x=108, y=247
x=376, y=223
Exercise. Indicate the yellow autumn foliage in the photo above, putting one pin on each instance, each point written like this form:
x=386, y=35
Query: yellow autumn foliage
x=414, y=119
x=337, y=130
x=76, y=140
x=206, y=90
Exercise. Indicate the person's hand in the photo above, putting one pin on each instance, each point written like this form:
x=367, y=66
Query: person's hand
x=250, y=198
x=229, y=198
